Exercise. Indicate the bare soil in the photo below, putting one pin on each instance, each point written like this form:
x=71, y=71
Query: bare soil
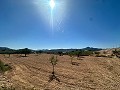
x=90, y=73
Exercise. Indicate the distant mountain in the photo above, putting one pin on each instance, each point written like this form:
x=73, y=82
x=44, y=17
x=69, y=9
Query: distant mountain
x=4, y=48
x=92, y=49
x=69, y=50
x=59, y=50
x=56, y=50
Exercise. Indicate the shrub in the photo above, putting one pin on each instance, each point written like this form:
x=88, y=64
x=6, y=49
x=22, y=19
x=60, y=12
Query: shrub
x=4, y=67
x=101, y=56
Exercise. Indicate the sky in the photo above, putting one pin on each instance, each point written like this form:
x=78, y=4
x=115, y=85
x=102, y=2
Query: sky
x=75, y=24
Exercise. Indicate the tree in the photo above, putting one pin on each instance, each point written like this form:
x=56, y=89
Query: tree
x=9, y=52
x=39, y=51
x=72, y=54
x=78, y=53
x=24, y=51
x=53, y=61
x=60, y=53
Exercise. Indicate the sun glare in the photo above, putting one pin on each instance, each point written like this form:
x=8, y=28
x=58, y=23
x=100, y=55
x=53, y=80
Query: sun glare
x=52, y=4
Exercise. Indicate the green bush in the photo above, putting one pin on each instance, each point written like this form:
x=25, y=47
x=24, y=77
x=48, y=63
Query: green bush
x=81, y=53
x=4, y=67
x=101, y=56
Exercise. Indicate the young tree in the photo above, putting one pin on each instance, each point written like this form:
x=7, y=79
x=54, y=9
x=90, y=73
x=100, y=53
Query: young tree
x=53, y=61
x=71, y=54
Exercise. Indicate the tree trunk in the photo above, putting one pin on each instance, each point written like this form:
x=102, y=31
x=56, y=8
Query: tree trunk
x=53, y=70
x=71, y=60
x=9, y=55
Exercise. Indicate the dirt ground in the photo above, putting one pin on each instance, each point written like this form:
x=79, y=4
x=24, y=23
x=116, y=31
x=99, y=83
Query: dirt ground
x=92, y=73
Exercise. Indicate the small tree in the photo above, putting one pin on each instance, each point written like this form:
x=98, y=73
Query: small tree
x=39, y=52
x=78, y=53
x=60, y=53
x=71, y=54
x=53, y=61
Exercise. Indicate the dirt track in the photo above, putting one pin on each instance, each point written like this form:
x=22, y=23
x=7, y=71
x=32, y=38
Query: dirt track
x=93, y=73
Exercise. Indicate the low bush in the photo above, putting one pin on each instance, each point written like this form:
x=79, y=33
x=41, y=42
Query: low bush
x=4, y=67
x=101, y=56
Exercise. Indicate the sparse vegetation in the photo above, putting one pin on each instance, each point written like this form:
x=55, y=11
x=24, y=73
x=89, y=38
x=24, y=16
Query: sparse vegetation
x=100, y=55
x=116, y=53
x=4, y=67
x=72, y=55
x=40, y=71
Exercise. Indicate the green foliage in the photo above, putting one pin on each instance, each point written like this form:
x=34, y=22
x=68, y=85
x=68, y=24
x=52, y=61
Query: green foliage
x=53, y=60
x=86, y=53
x=80, y=53
x=4, y=67
x=97, y=53
x=24, y=51
x=71, y=54
x=39, y=51
x=60, y=53
x=7, y=51
x=100, y=55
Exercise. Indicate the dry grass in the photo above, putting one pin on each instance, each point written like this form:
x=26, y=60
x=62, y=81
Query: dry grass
x=92, y=73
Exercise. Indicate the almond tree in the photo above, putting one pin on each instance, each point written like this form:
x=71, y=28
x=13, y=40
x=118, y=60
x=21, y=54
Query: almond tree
x=53, y=61
x=71, y=54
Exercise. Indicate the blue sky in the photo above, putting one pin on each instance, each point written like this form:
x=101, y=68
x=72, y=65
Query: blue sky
x=81, y=23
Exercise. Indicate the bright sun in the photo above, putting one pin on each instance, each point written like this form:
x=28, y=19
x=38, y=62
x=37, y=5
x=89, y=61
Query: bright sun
x=52, y=4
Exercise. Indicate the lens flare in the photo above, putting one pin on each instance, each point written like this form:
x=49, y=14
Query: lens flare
x=53, y=12
x=52, y=4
